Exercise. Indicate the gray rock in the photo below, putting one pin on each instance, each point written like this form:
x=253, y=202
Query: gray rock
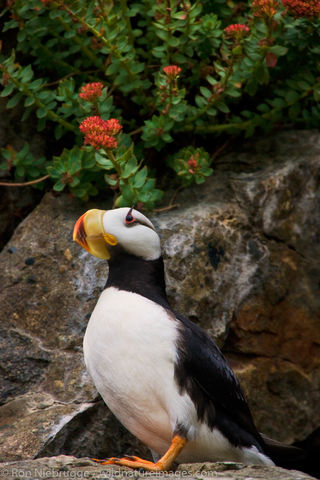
x=240, y=260
x=70, y=467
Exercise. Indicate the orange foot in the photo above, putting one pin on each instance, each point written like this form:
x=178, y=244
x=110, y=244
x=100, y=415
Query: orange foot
x=132, y=462
x=164, y=463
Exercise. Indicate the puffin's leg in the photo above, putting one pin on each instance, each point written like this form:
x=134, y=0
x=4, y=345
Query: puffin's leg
x=164, y=463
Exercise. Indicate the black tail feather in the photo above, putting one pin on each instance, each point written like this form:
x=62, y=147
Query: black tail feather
x=311, y=445
x=303, y=455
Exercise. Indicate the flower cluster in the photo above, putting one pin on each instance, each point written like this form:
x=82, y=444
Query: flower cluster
x=237, y=30
x=265, y=8
x=100, y=133
x=172, y=71
x=91, y=91
x=168, y=86
x=303, y=8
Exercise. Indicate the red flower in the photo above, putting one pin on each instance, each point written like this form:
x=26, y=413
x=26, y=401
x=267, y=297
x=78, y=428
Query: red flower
x=101, y=140
x=193, y=164
x=113, y=126
x=303, y=8
x=99, y=133
x=91, y=91
x=237, y=30
x=172, y=71
x=265, y=8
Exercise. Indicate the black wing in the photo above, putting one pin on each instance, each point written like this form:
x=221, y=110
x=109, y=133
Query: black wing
x=203, y=372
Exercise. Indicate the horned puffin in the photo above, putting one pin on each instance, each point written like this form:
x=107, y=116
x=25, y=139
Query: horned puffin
x=160, y=374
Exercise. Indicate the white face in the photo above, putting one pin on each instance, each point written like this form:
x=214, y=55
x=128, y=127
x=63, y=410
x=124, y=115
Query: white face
x=137, y=237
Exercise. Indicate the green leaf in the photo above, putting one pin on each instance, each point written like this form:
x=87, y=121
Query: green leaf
x=74, y=161
x=200, y=101
x=205, y=92
x=26, y=114
x=26, y=74
x=58, y=131
x=232, y=92
x=292, y=96
x=303, y=85
x=24, y=151
x=130, y=168
x=140, y=177
x=7, y=90
x=316, y=93
x=222, y=107
x=149, y=185
x=59, y=186
x=41, y=112
x=145, y=196
x=166, y=137
x=29, y=101
x=212, y=112
x=111, y=181
x=14, y=100
x=125, y=157
x=36, y=84
x=159, y=51
x=75, y=182
x=278, y=103
x=121, y=202
x=278, y=50
x=237, y=50
x=128, y=194
x=103, y=162
x=263, y=107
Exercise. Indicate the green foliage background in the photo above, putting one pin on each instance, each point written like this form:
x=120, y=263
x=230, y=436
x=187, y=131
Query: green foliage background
x=227, y=86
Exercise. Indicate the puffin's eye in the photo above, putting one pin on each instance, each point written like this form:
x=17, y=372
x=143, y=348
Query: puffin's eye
x=129, y=218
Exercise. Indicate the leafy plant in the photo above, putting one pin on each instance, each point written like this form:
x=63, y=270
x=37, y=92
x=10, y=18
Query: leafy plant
x=191, y=165
x=172, y=74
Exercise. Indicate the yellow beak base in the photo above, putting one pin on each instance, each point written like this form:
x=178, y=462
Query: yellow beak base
x=89, y=233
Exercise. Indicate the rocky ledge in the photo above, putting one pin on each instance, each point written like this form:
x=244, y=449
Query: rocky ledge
x=64, y=466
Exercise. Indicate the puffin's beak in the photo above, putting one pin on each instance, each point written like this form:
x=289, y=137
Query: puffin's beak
x=90, y=234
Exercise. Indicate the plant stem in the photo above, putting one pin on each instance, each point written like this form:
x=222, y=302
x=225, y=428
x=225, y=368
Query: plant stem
x=168, y=31
x=24, y=184
x=215, y=128
x=114, y=162
x=165, y=209
x=124, y=10
x=134, y=132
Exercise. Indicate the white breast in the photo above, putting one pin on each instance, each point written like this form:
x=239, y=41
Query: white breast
x=129, y=350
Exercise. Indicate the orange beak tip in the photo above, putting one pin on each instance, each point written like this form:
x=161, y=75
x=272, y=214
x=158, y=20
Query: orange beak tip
x=79, y=234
